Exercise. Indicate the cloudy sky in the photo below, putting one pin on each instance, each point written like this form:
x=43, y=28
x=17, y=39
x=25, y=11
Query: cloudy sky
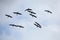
x=50, y=22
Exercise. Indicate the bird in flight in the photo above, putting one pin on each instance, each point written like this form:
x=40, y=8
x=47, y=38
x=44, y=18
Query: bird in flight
x=28, y=9
x=37, y=24
x=33, y=15
x=12, y=24
x=16, y=25
x=32, y=12
x=17, y=13
x=48, y=11
x=8, y=16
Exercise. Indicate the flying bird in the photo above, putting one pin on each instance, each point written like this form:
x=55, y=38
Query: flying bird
x=28, y=9
x=33, y=15
x=16, y=25
x=32, y=12
x=17, y=13
x=8, y=16
x=12, y=24
x=48, y=11
x=19, y=26
x=37, y=24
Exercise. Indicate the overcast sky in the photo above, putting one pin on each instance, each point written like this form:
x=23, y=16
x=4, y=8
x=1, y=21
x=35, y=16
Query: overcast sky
x=50, y=22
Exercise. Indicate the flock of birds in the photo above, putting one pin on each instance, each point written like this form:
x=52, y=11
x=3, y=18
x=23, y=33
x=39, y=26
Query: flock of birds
x=31, y=14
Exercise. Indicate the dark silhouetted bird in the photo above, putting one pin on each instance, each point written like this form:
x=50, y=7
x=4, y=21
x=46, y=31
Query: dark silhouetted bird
x=17, y=13
x=28, y=9
x=33, y=15
x=12, y=24
x=37, y=24
x=8, y=16
x=32, y=12
x=16, y=25
x=48, y=11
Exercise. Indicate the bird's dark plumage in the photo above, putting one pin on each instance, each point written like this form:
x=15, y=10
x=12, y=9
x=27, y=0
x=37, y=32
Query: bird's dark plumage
x=16, y=25
x=17, y=13
x=48, y=11
x=37, y=24
x=8, y=16
x=33, y=15
x=28, y=9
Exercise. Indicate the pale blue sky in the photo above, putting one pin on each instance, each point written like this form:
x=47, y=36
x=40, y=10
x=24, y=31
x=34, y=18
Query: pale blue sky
x=50, y=22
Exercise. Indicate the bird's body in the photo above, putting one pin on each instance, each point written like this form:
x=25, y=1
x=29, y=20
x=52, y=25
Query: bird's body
x=32, y=12
x=17, y=13
x=16, y=25
x=12, y=24
x=33, y=15
x=28, y=9
x=37, y=24
x=48, y=11
x=9, y=16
